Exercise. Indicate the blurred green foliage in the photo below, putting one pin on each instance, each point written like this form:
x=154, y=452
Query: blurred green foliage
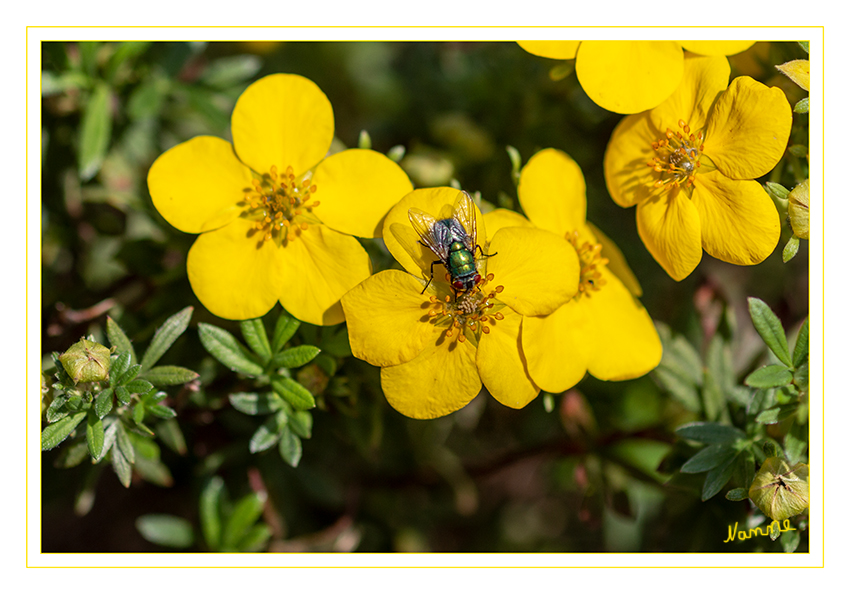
x=594, y=469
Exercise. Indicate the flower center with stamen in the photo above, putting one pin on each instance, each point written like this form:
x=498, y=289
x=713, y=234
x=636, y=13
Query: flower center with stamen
x=678, y=156
x=281, y=206
x=590, y=259
x=469, y=315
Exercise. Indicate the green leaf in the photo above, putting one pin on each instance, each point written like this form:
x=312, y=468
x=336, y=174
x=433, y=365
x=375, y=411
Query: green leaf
x=301, y=423
x=53, y=435
x=776, y=414
x=294, y=393
x=169, y=375
x=790, y=540
x=769, y=376
x=124, y=444
x=231, y=70
x=796, y=443
x=710, y=433
x=777, y=190
x=255, y=540
x=680, y=388
x=110, y=430
x=56, y=411
x=129, y=375
x=791, y=248
x=295, y=357
x=165, y=336
x=289, y=447
x=801, y=347
x=245, y=513
x=267, y=434
x=255, y=335
x=738, y=494
x=802, y=106
x=72, y=455
x=168, y=431
x=209, y=512
x=166, y=530
x=122, y=467
x=139, y=413
x=95, y=131
x=709, y=457
x=103, y=403
x=162, y=412
x=138, y=386
x=222, y=345
x=770, y=329
x=256, y=404
x=284, y=329
x=801, y=376
x=118, y=339
x=119, y=365
x=94, y=434
x=717, y=478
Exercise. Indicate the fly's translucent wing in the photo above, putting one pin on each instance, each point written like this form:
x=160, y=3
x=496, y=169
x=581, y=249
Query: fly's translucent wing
x=464, y=213
x=432, y=235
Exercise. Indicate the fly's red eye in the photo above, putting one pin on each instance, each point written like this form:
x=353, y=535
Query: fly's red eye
x=457, y=285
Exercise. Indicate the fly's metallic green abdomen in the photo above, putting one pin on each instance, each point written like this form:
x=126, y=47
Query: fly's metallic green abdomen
x=461, y=266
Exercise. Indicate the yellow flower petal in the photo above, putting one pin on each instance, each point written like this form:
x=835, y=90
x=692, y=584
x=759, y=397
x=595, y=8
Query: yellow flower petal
x=798, y=71
x=748, y=129
x=356, y=189
x=669, y=226
x=318, y=267
x=441, y=380
x=196, y=185
x=555, y=346
x=387, y=324
x=629, y=76
x=502, y=365
x=282, y=120
x=501, y=218
x=703, y=79
x=717, y=48
x=403, y=242
x=616, y=261
x=233, y=273
x=739, y=222
x=538, y=269
x=552, y=192
x=627, y=344
x=627, y=176
x=557, y=50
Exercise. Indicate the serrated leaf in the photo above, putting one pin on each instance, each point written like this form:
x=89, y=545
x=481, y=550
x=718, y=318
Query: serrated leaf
x=254, y=333
x=94, y=434
x=709, y=457
x=222, y=345
x=301, y=423
x=295, y=356
x=209, y=510
x=165, y=530
x=717, y=478
x=256, y=404
x=289, y=447
x=53, y=435
x=95, y=131
x=769, y=376
x=776, y=414
x=119, y=365
x=801, y=347
x=103, y=403
x=770, y=329
x=245, y=513
x=267, y=434
x=169, y=375
x=118, y=339
x=294, y=393
x=165, y=336
x=122, y=467
x=710, y=433
x=284, y=329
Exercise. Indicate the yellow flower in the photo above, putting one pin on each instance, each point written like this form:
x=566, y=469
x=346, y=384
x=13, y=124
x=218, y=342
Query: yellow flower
x=274, y=213
x=629, y=76
x=604, y=329
x=436, y=347
x=689, y=166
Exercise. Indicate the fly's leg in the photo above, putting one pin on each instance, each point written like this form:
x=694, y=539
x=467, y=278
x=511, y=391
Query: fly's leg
x=432, y=275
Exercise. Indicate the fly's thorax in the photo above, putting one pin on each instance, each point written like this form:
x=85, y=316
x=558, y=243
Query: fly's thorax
x=280, y=206
x=467, y=315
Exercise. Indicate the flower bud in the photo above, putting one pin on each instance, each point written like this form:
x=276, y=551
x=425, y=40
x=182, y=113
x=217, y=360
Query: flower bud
x=798, y=210
x=779, y=490
x=86, y=361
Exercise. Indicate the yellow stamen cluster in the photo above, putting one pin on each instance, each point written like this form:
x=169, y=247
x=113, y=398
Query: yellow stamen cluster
x=469, y=314
x=679, y=156
x=590, y=258
x=281, y=206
